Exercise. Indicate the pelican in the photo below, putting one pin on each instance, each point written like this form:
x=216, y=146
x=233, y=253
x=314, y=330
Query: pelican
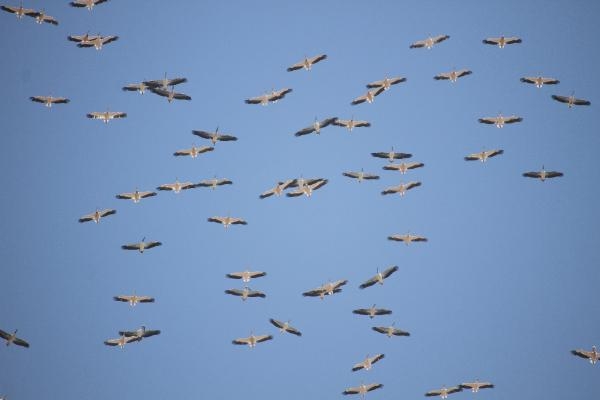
x=18, y=11
x=369, y=97
x=368, y=362
x=41, y=17
x=407, y=238
x=193, y=151
x=307, y=63
x=135, y=196
x=267, y=98
x=539, y=81
x=285, y=327
x=214, y=182
x=543, y=174
x=277, y=190
x=351, y=123
x=316, y=126
x=593, y=355
x=140, y=333
x=136, y=87
x=177, y=186
x=327, y=289
x=133, y=299
x=307, y=189
x=301, y=182
x=141, y=246
x=502, y=41
x=106, y=116
x=444, y=391
x=170, y=94
x=360, y=176
x=11, y=338
x=452, y=76
x=483, y=155
x=89, y=4
x=379, y=277
x=215, y=136
x=252, y=340
x=475, y=386
x=429, y=42
x=403, y=167
x=386, y=83
x=164, y=83
x=97, y=42
x=246, y=275
x=82, y=38
x=362, y=389
x=390, y=331
x=121, y=342
x=372, y=311
x=97, y=215
x=401, y=189
x=227, y=221
x=571, y=100
x=391, y=155
x=500, y=120
x=49, y=100
x=245, y=293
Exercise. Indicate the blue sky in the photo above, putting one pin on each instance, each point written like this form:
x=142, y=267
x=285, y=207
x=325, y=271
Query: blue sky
x=503, y=290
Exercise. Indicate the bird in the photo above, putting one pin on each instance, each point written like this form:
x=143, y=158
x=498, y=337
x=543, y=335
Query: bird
x=379, y=277
x=407, y=238
x=307, y=189
x=164, y=83
x=362, y=389
x=18, y=11
x=97, y=215
x=136, y=87
x=369, y=97
x=539, y=81
x=453, y=75
x=140, y=333
x=307, y=63
x=11, y=338
x=177, y=186
x=401, y=189
x=301, y=182
x=133, y=299
x=214, y=182
x=316, y=126
x=245, y=293
x=372, y=311
x=502, y=41
x=593, y=355
x=360, y=176
x=82, y=38
x=89, y=4
x=141, y=246
x=390, y=331
x=327, y=289
x=267, y=98
x=193, y=151
x=543, y=174
x=429, y=42
x=285, y=327
x=246, y=275
x=475, y=386
x=48, y=101
x=215, y=136
x=252, y=340
x=97, y=42
x=135, y=196
x=351, y=123
x=41, y=17
x=121, y=341
x=571, y=100
x=277, y=190
x=500, y=120
x=403, y=167
x=170, y=94
x=444, y=391
x=227, y=221
x=386, y=83
x=391, y=155
x=106, y=116
x=368, y=362
x=483, y=155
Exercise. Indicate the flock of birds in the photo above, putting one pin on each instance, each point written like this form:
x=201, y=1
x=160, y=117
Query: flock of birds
x=294, y=187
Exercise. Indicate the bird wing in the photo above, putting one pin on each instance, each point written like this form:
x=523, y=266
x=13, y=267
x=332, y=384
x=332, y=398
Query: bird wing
x=491, y=41
x=463, y=72
x=255, y=100
x=512, y=119
x=87, y=217
x=532, y=174
x=581, y=102
x=204, y=134
x=4, y=335
x=108, y=39
x=493, y=153
x=374, y=386
x=238, y=221
x=553, y=174
x=454, y=389
x=487, y=120
x=411, y=185
x=380, y=329
x=216, y=219
x=145, y=299
x=418, y=44
x=149, y=333
x=358, y=366
x=368, y=283
x=263, y=338
x=159, y=91
x=176, y=81
x=327, y=121
x=39, y=99
x=351, y=174
x=256, y=293
x=511, y=40
x=267, y=193
x=578, y=353
x=562, y=99
x=122, y=298
x=443, y=75
x=550, y=81
x=360, y=99
x=305, y=131
x=382, y=311
x=235, y=292
x=226, y=138
x=296, y=66
x=143, y=195
x=181, y=96
x=362, y=311
x=132, y=246
x=342, y=122
x=241, y=341
x=318, y=58
x=276, y=323
x=150, y=245
x=389, y=271
x=381, y=154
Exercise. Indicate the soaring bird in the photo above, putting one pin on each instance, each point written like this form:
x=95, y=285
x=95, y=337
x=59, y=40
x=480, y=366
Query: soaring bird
x=429, y=42
x=49, y=100
x=177, y=186
x=386, y=83
x=245, y=293
x=391, y=155
x=360, y=175
x=407, y=238
x=135, y=196
x=444, y=391
x=543, y=174
x=41, y=17
x=453, y=75
x=194, y=151
x=368, y=362
x=372, y=311
x=121, y=341
x=571, y=100
x=369, y=97
x=475, y=386
x=362, y=389
x=11, y=338
x=307, y=63
x=502, y=41
x=214, y=182
x=97, y=215
x=170, y=94
x=593, y=355
x=246, y=275
x=483, y=155
x=18, y=11
x=539, y=81
x=277, y=190
x=106, y=116
x=285, y=327
x=141, y=246
x=351, y=123
x=500, y=120
x=98, y=41
x=267, y=98
x=164, y=83
x=390, y=331
x=82, y=38
x=307, y=189
x=403, y=167
x=215, y=136
x=133, y=299
x=89, y=4
x=327, y=289
x=401, y=189
x=227, y=221
x=316, y=126
x=252, y=340
x=140, y=333
x=136, y=87
x=379, y=277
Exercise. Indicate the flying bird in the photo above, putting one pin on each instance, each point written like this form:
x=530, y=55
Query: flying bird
x=362, y=389
x=444, y=391
x=307, y=189
x=368, y=362
x=97, y=215
x=140, y=333
x=106, y=116
x=452, y=76
x=41, y=17
x=475, y=386
x=177, y=186
x=48, y=101
x=141, y=246
x=227, y=221
x=170, y=94
x=390, y=331
x=543, y=174
x=82, y=38
x=429, y=42
x=571, y=100
x=360, y=175
x=135, y=196
x=391, y=155
x=502, y=41
x=379, y=277
x=307, y=63
x=372, y=311
x=136, y=87
x=327, y=289
x=407, y=238
x=215, y=136
x=97, y=42
x=277, y=190
x=285, y=327
x=386, y=83
x=593, y=356
x=11, y=338
x=89, y=4
x=245, y=293
x=403, y=167
x=500, y=120
x=18, y=11
x=164, y=83
x=539, y=81
x=246, y=275
x=121, y=342
x=401, y=189
x=369, y=97
x=483, y=155
x=214, y=182
x=252, y=340
x=133, y=299
x=351, y=123
x=193, y=151
x=267, y=98
x=316, y=126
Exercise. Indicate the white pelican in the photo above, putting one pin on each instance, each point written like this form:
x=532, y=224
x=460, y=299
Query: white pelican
x=215, y=136
x=140, y=333
x=11, y=338
x=98, y=41
x=141, y=246
x=362, y=389
x=360, y=175
x=285, y=327
x=543, y=174
x=133, y=299
x=214, y=182
x=121, y=342
x=164, y=83
x=170, y=94
x=193, y=151
x=403, y=167
x=252, y=340
x=106, y=116
x=49, y=100
x=316, y=126
x=391, y=155
x=177, y=186
x=386, y=83
x=277, y=190
x=267, y=98
x=41, y=17
x=327, y=289
x=593, y=355
x=89, y=4
x=307, y=189
x=452, y=76
x=502, y=41
x=379, y=277
x=444, y=391
x=246, y=275
x=97, y=215
x=475, y=386
x=369, y=97
x=307, y=63
x=500, y=120
x=368, y=362
x=351, y=123
x=407, y=238
x=483, y=155
x=372, y=311
x=539, y=81
x=390, y=331
x=18, y=11
x=571, y=100
x=245, y=293
x=227, y=221
x=401, y=189
x=82, y=38
x=135, y=196
x=136, y=87
x=429, y=42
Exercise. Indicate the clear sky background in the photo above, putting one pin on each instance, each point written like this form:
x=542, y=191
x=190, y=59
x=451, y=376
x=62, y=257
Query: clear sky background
x=504, y=289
